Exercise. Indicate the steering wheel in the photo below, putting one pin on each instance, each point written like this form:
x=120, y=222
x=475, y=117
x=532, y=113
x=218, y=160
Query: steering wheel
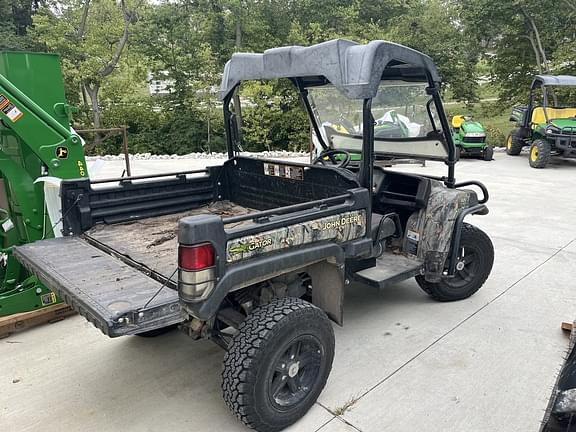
x=329, y=155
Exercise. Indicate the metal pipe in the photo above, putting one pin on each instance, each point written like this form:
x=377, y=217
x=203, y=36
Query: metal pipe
x=125, y=149
x=457, y=234
x=149, y=176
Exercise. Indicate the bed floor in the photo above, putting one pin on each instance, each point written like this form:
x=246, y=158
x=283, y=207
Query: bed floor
x=154, y=241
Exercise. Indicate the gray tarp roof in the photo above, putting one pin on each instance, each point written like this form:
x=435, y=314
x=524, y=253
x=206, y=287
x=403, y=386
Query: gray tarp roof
x=555, y=80
x=354, y=69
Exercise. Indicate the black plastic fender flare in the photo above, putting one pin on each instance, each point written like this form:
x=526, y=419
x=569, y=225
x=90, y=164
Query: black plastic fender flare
x=259, y=269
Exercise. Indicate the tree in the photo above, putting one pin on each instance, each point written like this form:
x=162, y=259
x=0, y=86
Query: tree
x=91, y=36
x=16, y=17
x=275, y=119
x=432, y=28
x=520, y=38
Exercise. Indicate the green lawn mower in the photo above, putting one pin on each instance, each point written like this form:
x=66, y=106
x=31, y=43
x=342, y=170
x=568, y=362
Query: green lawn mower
x=470, y=138
x=548, y=123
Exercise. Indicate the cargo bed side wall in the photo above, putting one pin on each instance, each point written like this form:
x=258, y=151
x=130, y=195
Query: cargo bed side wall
x=249, y=183
x=85, y=205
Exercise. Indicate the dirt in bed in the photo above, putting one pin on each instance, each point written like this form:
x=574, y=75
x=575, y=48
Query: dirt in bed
x=153, y=241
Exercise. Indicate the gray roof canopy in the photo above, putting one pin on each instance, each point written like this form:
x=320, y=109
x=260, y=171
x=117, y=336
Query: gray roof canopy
x=354, y=69
x=554, y=80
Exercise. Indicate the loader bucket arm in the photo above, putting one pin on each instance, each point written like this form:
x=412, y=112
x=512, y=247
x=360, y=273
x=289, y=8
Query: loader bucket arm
x=35, y=141
x=57, y=147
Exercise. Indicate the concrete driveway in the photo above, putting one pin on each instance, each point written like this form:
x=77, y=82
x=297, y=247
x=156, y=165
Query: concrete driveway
x=403, y=362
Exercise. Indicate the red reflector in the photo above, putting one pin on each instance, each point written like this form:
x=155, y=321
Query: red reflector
x=194, y=258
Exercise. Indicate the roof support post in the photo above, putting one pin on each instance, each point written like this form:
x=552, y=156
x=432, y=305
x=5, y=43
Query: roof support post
x=365, y=174
x=367, y=166
x=434, y=91
x=230, y=127
x=304, y=97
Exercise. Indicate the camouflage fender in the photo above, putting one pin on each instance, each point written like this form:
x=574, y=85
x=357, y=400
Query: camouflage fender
x=429, y=231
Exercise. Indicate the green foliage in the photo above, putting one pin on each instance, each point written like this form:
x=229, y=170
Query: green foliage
x=150, y=130
x=16, y=17
x=437, y=34
x=276, y=120
x=187, y=42
x=521, y=38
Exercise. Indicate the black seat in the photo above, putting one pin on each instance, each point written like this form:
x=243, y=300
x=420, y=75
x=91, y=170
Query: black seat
x=384, y=226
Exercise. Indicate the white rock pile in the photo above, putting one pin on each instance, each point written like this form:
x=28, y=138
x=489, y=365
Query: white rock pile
x=150, y=156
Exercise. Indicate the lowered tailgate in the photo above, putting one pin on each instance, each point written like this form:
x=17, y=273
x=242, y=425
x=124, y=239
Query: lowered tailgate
x=115, y=297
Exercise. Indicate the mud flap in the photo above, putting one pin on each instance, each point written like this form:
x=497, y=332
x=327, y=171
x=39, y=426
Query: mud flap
x=328, y=289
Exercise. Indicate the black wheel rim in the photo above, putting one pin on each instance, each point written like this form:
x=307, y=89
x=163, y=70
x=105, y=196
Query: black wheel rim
x=467, y=267
x=295, y=372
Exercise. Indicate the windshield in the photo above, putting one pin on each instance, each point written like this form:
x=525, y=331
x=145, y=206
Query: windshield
x=399, y=109
x=560, y=97
x=403, y=124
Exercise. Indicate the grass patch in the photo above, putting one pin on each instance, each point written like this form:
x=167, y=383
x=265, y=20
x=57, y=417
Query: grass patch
x=341, y=410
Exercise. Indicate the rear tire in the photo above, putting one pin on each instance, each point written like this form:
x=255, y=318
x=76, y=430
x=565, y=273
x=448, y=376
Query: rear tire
x=540, y=152
x=488, y=153
x=278, y=364
x=514, y=143
x=476, y=258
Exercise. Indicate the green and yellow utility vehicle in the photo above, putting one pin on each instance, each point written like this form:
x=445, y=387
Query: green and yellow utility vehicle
x=37, y=150
x=548, y=123
x=255, y=254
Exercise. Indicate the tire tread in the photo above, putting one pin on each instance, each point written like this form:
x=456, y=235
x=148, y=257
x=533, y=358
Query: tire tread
x=435, y=289
x=240, y=361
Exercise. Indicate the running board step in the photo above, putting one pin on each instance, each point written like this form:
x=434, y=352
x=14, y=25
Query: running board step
x=116, y=298
x=390, y=268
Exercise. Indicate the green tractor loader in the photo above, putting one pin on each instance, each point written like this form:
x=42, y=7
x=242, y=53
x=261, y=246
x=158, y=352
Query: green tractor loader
x=36, y=143
x=470, y=138
x=548, y=123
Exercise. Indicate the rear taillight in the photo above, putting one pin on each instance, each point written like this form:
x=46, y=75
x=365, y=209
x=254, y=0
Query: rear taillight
x=197, y=271
x=194, y=258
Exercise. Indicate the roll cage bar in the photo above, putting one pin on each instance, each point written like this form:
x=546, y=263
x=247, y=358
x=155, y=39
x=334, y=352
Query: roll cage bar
x=353, y=69
x=544, y=82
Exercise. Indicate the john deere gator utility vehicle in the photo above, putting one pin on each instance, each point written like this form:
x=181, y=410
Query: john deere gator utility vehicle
x=36, y=144
x=470, y=138
x=548, y=123
x=255, y=254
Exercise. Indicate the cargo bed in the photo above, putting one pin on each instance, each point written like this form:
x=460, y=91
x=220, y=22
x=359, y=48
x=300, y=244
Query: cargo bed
x=121, y=277
x=153, y=242
x=117, y=263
